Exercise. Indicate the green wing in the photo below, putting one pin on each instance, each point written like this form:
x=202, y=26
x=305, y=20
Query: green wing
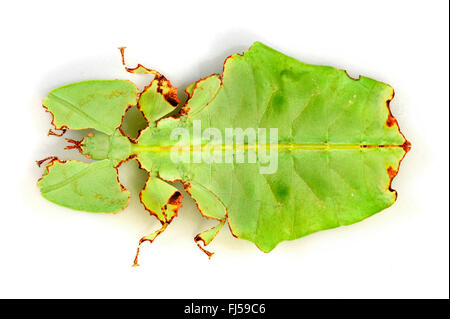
x=338, y=146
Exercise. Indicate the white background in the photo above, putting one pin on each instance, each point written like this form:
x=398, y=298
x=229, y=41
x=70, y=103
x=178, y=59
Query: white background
x=50, y=251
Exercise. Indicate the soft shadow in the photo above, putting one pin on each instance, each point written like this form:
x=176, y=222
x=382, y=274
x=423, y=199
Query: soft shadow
x=223, y=45
x=133, y=122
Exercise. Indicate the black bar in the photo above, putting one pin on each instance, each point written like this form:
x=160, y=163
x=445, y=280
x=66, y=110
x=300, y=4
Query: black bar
x=221, y=308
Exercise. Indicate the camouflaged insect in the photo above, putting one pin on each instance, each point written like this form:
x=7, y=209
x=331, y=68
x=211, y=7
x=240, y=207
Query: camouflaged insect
x=338, y=147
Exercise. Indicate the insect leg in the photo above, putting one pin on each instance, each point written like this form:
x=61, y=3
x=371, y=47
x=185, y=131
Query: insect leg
x=207, y=236
x=159, y=98
x=210, y=206
x=149, y=238
x=161, y=200
x=139, y=69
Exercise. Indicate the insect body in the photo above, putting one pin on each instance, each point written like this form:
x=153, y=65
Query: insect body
x=276, y=148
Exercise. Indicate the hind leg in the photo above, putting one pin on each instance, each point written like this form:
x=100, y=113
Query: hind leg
x=210, y=207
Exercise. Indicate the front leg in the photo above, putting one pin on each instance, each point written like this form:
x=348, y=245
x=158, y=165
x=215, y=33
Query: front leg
x=159, y=99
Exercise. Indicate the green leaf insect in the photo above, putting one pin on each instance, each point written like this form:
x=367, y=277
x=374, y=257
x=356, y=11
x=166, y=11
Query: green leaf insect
x=276, y=148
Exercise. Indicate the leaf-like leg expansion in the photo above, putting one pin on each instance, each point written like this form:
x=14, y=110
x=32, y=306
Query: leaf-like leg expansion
x=207, y=236
x=208, y=203
x=200, y=93
x=87, y=187
x=161, y=200
x=159, y=98
x=210, y=206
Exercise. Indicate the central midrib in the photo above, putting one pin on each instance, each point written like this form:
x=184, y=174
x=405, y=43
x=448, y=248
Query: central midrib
x=190, y=148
